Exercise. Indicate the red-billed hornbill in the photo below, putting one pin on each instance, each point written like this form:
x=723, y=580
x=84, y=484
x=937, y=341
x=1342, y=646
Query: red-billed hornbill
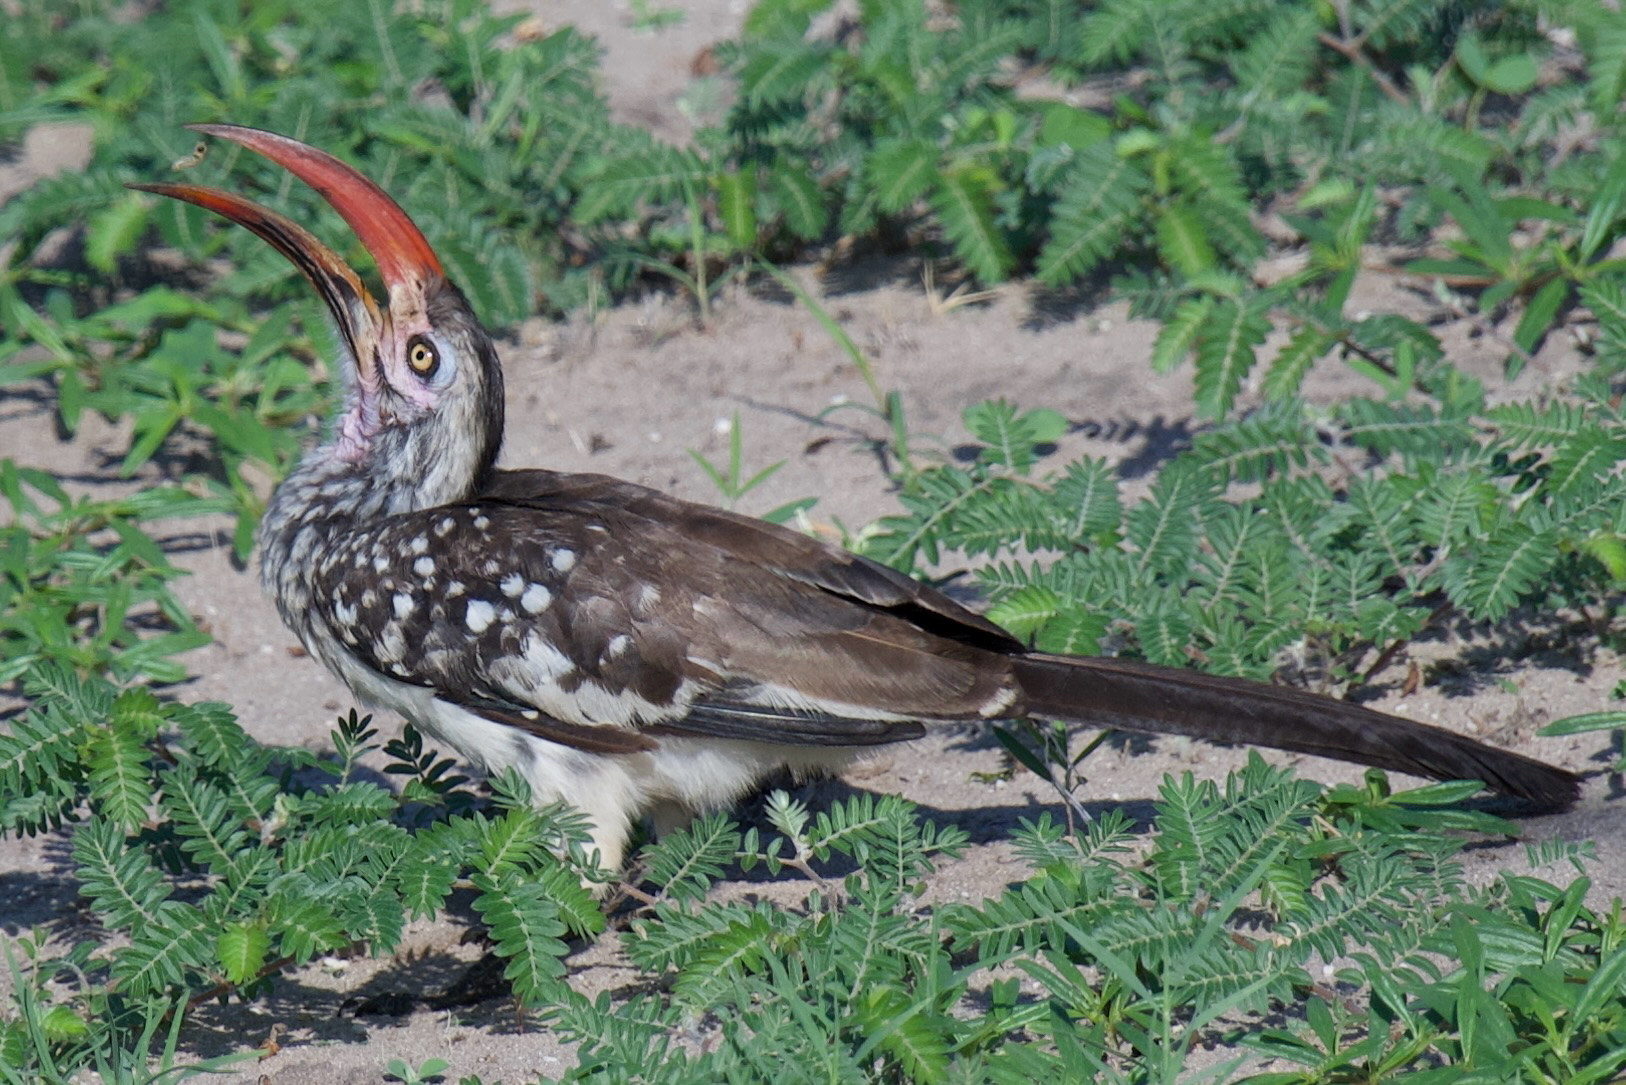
x=631, y=653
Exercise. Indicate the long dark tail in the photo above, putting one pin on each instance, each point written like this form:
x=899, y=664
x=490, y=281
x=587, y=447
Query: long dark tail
x=1162, y=700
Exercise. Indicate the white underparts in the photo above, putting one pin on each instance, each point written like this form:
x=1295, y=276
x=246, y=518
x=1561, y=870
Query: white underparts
x=614, y=791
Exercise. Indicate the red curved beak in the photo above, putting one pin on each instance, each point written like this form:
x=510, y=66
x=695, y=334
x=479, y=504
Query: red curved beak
x=395, y=242
x=404, y=257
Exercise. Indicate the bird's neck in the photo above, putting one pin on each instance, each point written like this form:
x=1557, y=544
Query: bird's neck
x=327, y=495
x=331, y=495
x=365, y=473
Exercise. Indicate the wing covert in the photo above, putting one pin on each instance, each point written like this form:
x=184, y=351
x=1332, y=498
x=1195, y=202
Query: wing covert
x=587, y=607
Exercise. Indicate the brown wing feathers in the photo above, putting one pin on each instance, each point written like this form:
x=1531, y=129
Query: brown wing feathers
x=800, y=644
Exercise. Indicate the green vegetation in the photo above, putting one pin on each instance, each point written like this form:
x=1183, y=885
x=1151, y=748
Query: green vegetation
x=219, y=867
x=1475, y=144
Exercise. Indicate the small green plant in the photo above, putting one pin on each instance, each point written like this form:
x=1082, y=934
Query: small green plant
x=1044, y=748
x=1478, y=511
x=703, y=246
x=277, y=872
x=158, y=361
x=425, y=1073
x=887, y=405
x=83, y=586
x=47, y=1041
x=645, y=16
x=732, y=484
x=1128, y=956
x=1557, y=252
x=907, y=130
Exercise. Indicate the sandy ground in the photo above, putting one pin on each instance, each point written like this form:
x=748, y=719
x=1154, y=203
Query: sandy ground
x=627, y=394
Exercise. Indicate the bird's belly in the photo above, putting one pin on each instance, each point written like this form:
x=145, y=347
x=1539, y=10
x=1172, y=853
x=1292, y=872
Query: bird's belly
x=613, y=790
x=706, y=773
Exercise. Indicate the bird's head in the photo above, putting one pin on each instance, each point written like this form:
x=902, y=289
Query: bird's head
x=423, y=413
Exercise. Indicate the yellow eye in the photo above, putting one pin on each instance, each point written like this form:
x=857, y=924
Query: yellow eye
x=422, y=357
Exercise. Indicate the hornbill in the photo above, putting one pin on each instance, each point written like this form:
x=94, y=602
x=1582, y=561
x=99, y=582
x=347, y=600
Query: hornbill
x=634, y=654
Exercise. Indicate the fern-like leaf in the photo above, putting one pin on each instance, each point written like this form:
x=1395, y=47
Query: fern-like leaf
x=118, y=776
x=684, y=865
x=1163, y=628
x=1012, y=438
x=1285, y=374
x=964, y=202
x=901, y=171
x=525, y=928
x=303, y=924
x=241, y=951
x=1226, y=352
x=1490, y=579
x=620, y=185
x=799, y=200
x=210, y=730
x=168, y=954
x=1163, y=527
x=783, y=71
x=1280, y=56
x=1587, y=457
x=1073, y=632
x=1085, y=502
x=905, y=1029
x=676, y=935
x=1178, y=336
x=1529, y=425
x=1098, y=209
x=1387, y=428
x=211, y=833
x=1031, y=914
x=424, y=880
x=1453, y=507
x=121, y=881
x=1026, y=610
x=1266, y=443
x=739, y=948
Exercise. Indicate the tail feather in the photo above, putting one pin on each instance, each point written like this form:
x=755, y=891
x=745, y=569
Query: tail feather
x=1150, y=699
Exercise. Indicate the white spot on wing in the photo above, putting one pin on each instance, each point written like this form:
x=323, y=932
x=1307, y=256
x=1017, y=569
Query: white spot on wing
x=479, y=615
x=536, y=599
x=533, y=677
x=424, y=566
x=618, y=644
x=512, y=585
x=391, y=645
x=998, y=704
x=420, y=545
x=564, y=560
x=403, y=605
